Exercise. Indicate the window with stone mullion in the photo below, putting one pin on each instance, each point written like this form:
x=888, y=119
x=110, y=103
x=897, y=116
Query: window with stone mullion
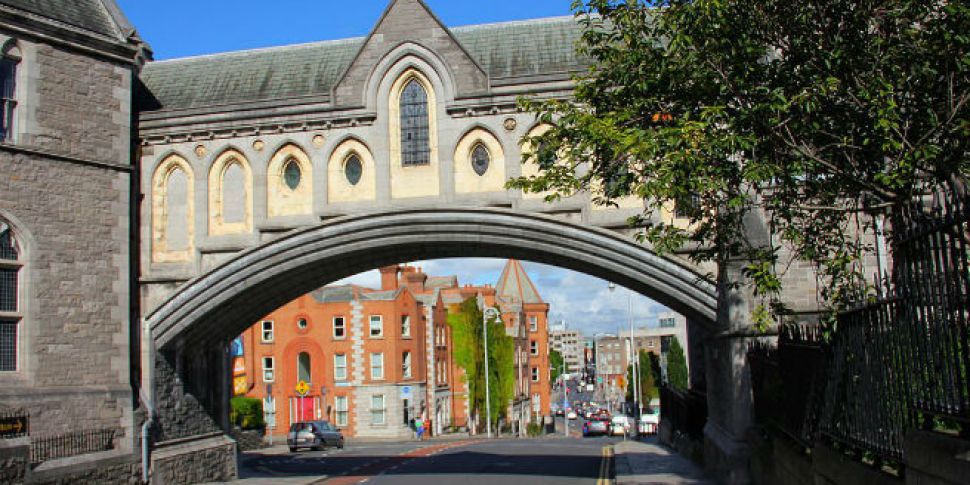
x=415, y=146
x=8, y=76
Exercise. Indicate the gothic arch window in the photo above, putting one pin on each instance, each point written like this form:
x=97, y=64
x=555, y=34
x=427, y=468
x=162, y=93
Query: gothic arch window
x=173, y=211
x=415, y=125
x=480, y=159
x=11, y=266
x=9, y=64
x=289, y=188
x=230, y=195
x=292, y=174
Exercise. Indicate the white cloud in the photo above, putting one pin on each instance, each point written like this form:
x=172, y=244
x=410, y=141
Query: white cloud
x=584, y=302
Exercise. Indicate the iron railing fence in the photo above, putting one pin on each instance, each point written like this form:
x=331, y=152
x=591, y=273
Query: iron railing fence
x=787, y=382
x=931, y=250
x=71, y=444
x=685, y=412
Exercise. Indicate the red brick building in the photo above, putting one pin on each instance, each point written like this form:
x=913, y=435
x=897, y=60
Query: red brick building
x=374, y=359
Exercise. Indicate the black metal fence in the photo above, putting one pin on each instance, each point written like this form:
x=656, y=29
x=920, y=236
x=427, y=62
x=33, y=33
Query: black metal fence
x=684, y=411
x=897, y=360
x=71, y=444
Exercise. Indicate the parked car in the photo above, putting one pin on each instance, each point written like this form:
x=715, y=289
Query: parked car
x=314, y=435
x=650, y=421
x=596, y=427
x=571, y=415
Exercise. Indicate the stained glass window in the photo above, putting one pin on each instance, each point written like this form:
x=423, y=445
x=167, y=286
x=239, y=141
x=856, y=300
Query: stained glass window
x=481, y=159
x=292, y=174
x=8, y=250
x=353, y=170
x=415, y=146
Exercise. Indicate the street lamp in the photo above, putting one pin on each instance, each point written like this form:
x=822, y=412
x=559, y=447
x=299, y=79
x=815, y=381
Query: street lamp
x=487, y=312
x=634, y=355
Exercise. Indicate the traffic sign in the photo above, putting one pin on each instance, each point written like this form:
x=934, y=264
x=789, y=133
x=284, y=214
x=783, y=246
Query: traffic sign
x=406, y=392
x=302, y=388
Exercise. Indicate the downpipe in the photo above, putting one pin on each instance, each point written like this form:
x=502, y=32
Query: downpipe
x=148, y=398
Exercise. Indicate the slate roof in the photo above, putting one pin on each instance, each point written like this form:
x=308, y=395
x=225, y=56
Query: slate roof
x=510, y=49
x=86, y=14
x=441, y=282
x=334, y=294
x=514, y=285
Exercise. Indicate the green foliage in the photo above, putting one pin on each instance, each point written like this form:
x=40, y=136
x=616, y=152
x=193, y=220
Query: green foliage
x=247, y=413
x=816, y=116
x=648, y=385
x=677, y=375
x=534, y=430
x=467, y=336
x=555, y=364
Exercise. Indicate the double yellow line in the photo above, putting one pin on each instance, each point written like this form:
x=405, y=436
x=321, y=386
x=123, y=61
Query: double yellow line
x=604, y=476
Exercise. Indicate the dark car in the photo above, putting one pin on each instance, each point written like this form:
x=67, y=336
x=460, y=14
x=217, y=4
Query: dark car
x=596, y=427
x=313, y=434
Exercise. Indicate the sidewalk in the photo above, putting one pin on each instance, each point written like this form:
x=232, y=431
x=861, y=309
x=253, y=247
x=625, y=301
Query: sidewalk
x=638, y=462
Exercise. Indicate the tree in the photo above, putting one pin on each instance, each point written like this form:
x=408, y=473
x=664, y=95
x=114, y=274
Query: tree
x=677, y=375
x=466, y=322
x=648, y=384
x=816, y=117
x=555, y=365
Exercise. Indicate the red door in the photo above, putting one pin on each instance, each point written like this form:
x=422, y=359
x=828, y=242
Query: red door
x=304, y=409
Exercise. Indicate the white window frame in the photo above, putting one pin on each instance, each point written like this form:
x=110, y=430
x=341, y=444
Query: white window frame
x=533, y=323
x=342, y=410
x=406, y=365
x=382, y=410
x=269, y=371
x=535, y=374
x=267, y=335
x=342, y=327
x=406, y=326
x=380, y=326
x=375, y=358
x=533, y=347
x=339, y=371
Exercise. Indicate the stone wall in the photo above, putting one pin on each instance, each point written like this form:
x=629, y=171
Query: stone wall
x=207, y=459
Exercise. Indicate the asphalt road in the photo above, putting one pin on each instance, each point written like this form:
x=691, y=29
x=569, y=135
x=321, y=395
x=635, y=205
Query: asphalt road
x=512, y=461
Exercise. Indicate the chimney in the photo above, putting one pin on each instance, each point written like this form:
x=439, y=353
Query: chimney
x=415, y=280
x=389, y=277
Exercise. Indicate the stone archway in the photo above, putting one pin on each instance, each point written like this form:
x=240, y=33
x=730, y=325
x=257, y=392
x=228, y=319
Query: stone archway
x=190, y=331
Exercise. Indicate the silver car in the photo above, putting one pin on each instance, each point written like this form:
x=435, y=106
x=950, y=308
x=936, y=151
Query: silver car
x=314, y=435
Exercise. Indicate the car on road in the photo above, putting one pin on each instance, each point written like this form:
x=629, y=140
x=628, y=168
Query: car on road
x=596, y=427
x=649, y=421
x=571, y=415
x=620, y=425
x=315, y=435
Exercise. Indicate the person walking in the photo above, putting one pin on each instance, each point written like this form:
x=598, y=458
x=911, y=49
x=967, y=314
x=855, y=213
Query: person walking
x=419, y=426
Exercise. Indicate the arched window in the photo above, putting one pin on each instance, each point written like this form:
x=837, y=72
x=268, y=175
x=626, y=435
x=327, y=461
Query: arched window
x=415, y=146
x=481, y=159
x=303, y=367
x=8, y=90
x=10, y=316
x=177, y=211
x=234, y=194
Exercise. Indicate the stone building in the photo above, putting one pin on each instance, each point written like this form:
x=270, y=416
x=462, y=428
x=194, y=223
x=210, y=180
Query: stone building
x=374, y=359
x=68, y=303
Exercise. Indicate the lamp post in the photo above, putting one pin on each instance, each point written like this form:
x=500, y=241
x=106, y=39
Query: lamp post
x=487, y=312
x=634, y=355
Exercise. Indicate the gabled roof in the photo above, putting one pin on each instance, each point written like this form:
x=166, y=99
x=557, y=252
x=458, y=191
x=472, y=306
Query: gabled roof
x=520, y=49
x=91, y=15
x=515, y=286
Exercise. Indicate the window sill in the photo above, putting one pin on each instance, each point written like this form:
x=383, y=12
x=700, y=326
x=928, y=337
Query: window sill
x=376, y=337
x=339, y=338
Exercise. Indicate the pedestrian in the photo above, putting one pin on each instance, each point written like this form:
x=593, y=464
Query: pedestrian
x=419, y=425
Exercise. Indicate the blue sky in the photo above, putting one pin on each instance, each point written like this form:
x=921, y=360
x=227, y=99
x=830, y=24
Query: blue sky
x=179, y=28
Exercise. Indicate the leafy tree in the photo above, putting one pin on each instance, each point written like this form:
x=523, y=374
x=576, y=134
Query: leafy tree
x=816, y=117
x=466, y=322
x=555, y=364
x=677, y=375
x=648, y=384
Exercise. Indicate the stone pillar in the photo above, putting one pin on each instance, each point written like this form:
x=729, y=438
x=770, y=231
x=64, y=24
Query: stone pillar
x=696, y=346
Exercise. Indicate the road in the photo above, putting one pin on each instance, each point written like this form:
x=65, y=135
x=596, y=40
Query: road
x=511, y=461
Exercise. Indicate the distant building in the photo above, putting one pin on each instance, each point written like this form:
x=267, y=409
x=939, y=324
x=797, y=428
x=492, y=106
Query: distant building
x=376, y=359
x=570, y=344
x=657, y=339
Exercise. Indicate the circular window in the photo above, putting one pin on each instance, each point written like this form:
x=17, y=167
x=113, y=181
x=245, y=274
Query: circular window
x=481, y=159
x=292, y=174
x=353, y=169
x=301, y=324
